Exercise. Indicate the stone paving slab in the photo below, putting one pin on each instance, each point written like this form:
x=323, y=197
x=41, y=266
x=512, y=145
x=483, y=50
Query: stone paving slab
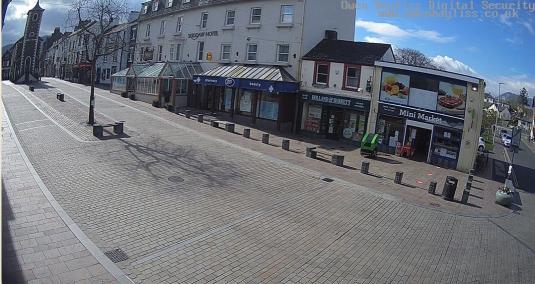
x=238, y=215
x=38, y=247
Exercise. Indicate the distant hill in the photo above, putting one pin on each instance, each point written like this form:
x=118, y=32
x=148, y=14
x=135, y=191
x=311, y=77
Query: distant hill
x=509, y=96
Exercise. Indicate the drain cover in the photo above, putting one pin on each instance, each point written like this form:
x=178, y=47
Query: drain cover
x=435, y=204
x=327, y=179
x=176, y=179
x=116, y=255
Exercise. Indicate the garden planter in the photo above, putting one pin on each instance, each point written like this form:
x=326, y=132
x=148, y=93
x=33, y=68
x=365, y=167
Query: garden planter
x=504, y=198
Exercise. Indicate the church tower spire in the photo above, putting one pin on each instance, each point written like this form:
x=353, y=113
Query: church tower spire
x=30, y=44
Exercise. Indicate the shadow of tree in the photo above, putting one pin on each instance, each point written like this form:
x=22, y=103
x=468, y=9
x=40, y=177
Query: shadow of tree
x=11, y=268
x=158, y=153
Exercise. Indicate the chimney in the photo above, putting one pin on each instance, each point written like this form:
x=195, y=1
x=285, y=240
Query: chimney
x=330, y=34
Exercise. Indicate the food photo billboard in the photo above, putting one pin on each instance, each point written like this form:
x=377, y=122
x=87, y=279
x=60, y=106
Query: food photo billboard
x=395, y=88
x=451, y=99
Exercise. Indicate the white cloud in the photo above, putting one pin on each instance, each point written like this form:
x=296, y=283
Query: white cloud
x=529, y=27
x=18, y=10
x=504, y=19
x=453, y=65
x=375, y=39
x=390, y=32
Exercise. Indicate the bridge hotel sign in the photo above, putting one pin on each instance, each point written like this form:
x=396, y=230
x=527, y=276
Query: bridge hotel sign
x=421, y=115
x=195, y=36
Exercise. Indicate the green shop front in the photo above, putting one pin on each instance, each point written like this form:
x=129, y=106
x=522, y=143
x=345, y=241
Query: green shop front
x=264, y=96
x=333, y=117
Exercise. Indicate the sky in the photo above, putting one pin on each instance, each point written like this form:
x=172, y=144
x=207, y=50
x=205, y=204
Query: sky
x=496, y=43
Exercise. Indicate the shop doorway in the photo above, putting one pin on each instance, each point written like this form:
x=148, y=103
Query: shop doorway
x=335, y=119
x=419, y=139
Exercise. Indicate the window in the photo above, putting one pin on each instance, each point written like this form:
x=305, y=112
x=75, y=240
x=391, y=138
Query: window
x=352, y=77
x=283, y=53
x=155, y=6
x=105, y=59
x=162, y=27
x=133, y=33
x=131, y=54
x=172, y=52
x=256, y=15
x=287, y=14
x=179, y=24
x=252, y=50
x=268, y=106
x=114, y=56
x=185, y=1
x=147, y=31
x=169, y=3
x=322, y=73
x=225, y=52
x=145, y=9
x=113, y=70
x=177, y=52
x=204, y=20
x=200, y=50
x=160, y=52
x=229, y=18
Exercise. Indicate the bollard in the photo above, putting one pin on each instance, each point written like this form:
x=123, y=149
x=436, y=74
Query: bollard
x=432, y=187
x=171, y=108
x=468, y=187
x=188, y=113
x=246, y=132
x=31, y=88
x=229, y=127
x=365, y=168
x=265, y=138
x=60, y=97
x=399, y=177
x=214, y=123
x=337, y=160
x=286, y=144
x=118, y=128
x=311, y=152
x=200, y=118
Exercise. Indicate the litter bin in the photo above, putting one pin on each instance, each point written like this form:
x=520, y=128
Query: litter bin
x=450, y=185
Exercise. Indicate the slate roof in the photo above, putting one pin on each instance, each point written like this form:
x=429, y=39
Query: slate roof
x=343, y=51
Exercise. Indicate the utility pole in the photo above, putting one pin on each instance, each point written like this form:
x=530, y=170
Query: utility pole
x=497, y=111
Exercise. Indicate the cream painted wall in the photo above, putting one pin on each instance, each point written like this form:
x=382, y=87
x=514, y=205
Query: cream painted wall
x=472, y=126
x=336, y=80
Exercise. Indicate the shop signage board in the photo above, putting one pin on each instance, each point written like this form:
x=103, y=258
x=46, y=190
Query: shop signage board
x=260, y=85
x=421, y=115
x=344, y=102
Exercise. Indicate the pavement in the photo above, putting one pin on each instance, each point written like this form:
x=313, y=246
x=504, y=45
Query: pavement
x=190, y=203
x=38, y=244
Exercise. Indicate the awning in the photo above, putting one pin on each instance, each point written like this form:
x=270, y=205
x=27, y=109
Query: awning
x=263, y=78
x=121, y=73
x=185, y=70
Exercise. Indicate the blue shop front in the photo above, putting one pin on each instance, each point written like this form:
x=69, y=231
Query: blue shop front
x=264, y=96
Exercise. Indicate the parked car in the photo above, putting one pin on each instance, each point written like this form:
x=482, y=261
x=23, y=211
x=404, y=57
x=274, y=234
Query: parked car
x=506, y=140
x=481, y=146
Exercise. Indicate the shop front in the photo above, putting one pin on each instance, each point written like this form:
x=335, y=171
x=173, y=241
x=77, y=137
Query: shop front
x=421, y=135
x=261, y=96
x=334, y=117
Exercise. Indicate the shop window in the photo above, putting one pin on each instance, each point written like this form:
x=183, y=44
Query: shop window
x=352, y=77
x=256, y=15
x=321, y=76
x=204, y=20
x=283, y=53
x=227, y=99
x=354, y=125
x=312, y=120
x=287, y=13
x=229, y=18
x=268, y=106
x=245, y=102
x=391, y=131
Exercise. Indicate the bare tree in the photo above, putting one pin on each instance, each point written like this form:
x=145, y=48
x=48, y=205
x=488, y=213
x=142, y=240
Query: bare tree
x=94, y=19
x=414, y=57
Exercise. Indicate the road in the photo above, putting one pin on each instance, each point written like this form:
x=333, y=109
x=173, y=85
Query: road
x=186, y=207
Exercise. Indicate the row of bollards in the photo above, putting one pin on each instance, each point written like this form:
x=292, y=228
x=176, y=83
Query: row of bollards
x=60, y=97
x=468, y=187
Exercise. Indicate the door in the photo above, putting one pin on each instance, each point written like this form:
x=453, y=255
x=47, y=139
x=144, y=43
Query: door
x=97, y=78
x=420, y=140
x=27, y=66
x=335, y=123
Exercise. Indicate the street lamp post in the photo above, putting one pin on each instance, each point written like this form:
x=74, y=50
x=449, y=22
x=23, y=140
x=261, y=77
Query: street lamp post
x=497, y=110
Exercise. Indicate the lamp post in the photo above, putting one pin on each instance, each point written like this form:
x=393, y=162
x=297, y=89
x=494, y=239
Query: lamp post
x=497, y=110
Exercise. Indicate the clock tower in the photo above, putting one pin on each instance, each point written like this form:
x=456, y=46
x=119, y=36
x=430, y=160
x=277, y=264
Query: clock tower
x=30, y=45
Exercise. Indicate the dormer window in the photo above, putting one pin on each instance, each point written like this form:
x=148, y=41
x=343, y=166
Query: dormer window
x=155, y=6
x=169, y=3
x=145, y=8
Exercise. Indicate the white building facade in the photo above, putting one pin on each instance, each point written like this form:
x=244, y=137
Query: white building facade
x=255, y=33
